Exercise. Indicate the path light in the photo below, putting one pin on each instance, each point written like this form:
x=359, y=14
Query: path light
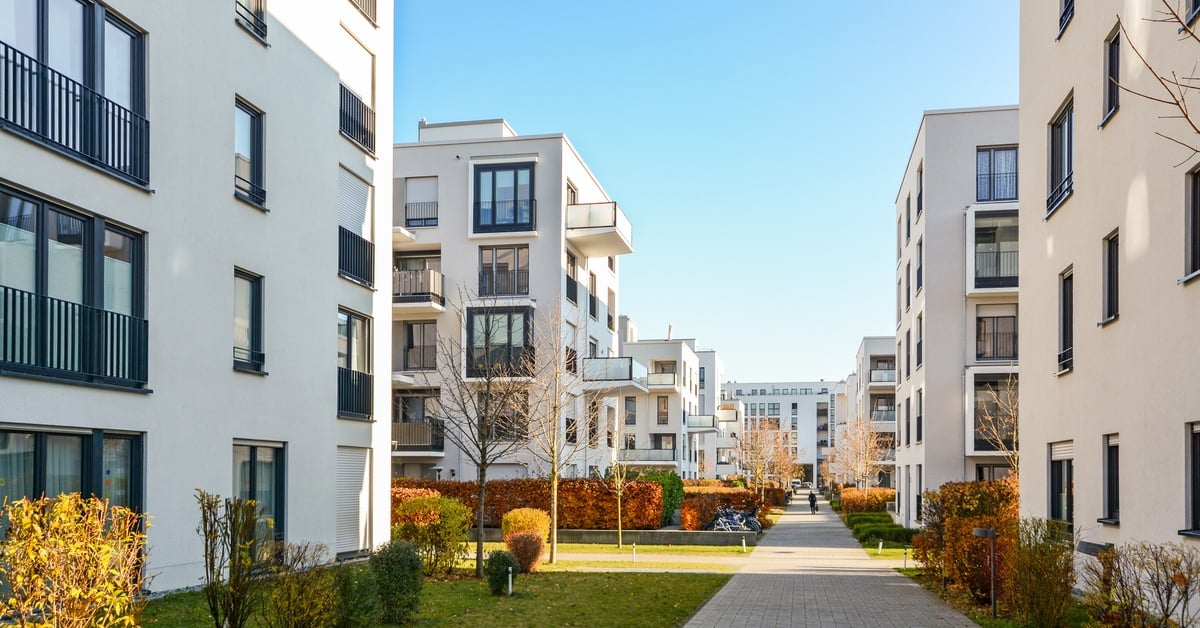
x=990, y=535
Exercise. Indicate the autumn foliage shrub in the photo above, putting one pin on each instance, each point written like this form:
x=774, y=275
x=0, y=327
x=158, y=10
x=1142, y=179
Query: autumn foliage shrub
x=697, y=511
x=438, y=527
x=874, y=499
x=701, y=504
x=947, y=546
x=672, y=491
x=525, y=520
x=527, y=548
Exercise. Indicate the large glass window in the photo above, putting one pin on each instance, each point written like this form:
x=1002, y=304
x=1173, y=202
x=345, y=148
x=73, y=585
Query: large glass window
x=1062, y=490
x=504, y=198
x=663, y=411
x=996, y=250
x=248, y=153
x=996, y=338
x=1112, y=478
x=354, y=342
x=631, y=411
x=1066, y=320
x=258, y=475
x=996, y=174
x=420, y=346
x=247, y=321
x=498, y=339
x=995, y=411
x=503, y=270
x=37, y=463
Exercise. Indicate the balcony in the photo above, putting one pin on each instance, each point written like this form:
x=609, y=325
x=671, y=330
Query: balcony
x=996, y=345
x=423, y=214
x=999, y=186
x=357, y=120
x=701, y=423
x=646, y=455
x=423, y=436
x=599, y=229
x=503, y=283
x=996, y=269
x=47, y=337
x=367, y=7
x=505, y=216
x=883, y=376
x=881, y=416
x=356, y=257
x=660, y=380
x=823, y=427
x=250, y=14
x=353, y=394
x=614, y=375
x=417, y=293
x=64, y=115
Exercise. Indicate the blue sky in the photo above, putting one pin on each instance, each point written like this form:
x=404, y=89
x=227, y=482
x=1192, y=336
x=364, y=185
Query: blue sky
x=757, y=150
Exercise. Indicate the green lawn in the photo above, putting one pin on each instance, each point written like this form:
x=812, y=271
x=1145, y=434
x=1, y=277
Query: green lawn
x=552, y=598
x=731, y=551
x=1077, y=616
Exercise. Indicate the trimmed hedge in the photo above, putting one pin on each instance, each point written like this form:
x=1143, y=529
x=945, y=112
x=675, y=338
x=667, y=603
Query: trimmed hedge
x=701, y=504
x=583, y=504
x=874, y=499
x=672, y=491
x=855, y=518
x=864, y=532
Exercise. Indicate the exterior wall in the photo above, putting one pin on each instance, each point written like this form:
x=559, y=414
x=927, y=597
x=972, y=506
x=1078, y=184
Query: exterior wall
x=942, y=171
x=876, y=381
x=682, y=401
x=195, y=232
x=804, y=427
x=1130, y=377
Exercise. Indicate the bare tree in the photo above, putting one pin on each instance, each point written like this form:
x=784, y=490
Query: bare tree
x=765, y=452
x=858, y=453
x=996, y=418
x=618, y=481
x=1176, y=88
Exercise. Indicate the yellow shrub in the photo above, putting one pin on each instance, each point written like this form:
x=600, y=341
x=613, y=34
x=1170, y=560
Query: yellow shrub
x=525, y=520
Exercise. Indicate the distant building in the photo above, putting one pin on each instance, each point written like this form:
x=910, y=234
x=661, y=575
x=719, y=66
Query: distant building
x=799, y=409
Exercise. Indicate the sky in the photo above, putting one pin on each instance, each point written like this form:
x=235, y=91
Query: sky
x=756, y=150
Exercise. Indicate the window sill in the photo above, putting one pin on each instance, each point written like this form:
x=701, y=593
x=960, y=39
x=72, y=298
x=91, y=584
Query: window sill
x=353, y=416
x=249, y=369
x=1106, y=322
x=356, y=281
x=1188, y=278
x=1053, y=207
x=262, y=39
x=251, y=202
x=1109, y=522
x=1108, y=116
x=72, y=381
x=1192, y=533
x=1065, y=22
x=1064, y=371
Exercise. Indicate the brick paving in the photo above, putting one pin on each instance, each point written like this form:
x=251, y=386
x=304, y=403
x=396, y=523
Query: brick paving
x=808, y=571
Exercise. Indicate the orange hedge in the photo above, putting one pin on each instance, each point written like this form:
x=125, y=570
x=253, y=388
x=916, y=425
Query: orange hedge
x=700, y=504
x=697, y=510
x=875, y=499
x=706, y=482
x=583, y=504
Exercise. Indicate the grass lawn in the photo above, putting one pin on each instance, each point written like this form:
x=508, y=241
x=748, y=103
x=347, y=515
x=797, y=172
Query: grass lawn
x=731, y=551
x=552, y=598
x=891, y=550
x=1077, y=615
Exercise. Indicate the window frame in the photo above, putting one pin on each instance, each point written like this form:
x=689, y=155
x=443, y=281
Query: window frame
x=1112, y=76
x=1110, y=297
x=663, y=410
x=253, y=191
x=1192, y=226
x=572, y=291
x=489, y=286
x=251, y=16
x=1061, y=162
x=1066, y=320
x=514, y=363
x=1061, y=475
x=1112, y=481
x=252, y=359
x=1193, y=480
x=91, y=465
x=279, y=517
x=992, y=174
x=354, y=319
x=497, y=227
x=428, y=351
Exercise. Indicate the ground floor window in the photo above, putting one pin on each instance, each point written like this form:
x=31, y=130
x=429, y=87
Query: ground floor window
x=990, y=472
x=93, y=462
x=1062, y=487
x=258, y=475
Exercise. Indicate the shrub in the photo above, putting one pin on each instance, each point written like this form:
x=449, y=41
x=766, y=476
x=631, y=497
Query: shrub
x=855, y=518
x=396, y=568
x=233, y=560
x=874, y=499
x=891, y=532
x=1144, y=584
x=438, y=527
x=1039, y=574
x=301, y=593
x=697, y=511
x=525, y=520
x=527, y=548
x=357, y=597
x=497, y=568
x=947, y=547
x=75, y=561
x=672, y=491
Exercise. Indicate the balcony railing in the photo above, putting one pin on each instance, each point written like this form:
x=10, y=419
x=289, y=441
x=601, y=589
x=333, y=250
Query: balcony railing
x=1060, y=192
x=356, y=257
x=598, y=215
x=250, y=14
x=357, y=120
x=418, y=436
x=884, y=415
x=613, y=369
x=1068, y=10
x=422, y=214
x=367, y=7
x=501, y=216
x=63, y=114
x=417, y=286
x=996, y=345
x=354, y=394
x=40, y=335
x=822, y=427
x=420, y=358
x=494, y=283
x=996, y=269
x=1066, y=359
x=647, y=455
x=701, y=421
x=572, y=290
x=883, y=376
x=997, y=186
x=660, y=379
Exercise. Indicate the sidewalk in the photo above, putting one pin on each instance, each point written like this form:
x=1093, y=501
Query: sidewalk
x=808, y=571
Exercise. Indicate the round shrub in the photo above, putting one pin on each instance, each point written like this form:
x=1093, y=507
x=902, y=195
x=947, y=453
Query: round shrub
x=438, y=527
x=396, y=567
x=357, y=597
x=518, y=520
x=527, y=548
x=498, y=565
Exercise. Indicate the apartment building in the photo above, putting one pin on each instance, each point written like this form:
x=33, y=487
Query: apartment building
x=186, y=263
x=500, y=240
x=956, y=299
x=800, y=409
x=873, y=389
x=1110, y=422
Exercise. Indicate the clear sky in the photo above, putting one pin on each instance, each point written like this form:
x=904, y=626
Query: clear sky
x=756, y=147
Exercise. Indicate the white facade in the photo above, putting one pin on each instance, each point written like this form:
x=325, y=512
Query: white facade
x=1109, y=434
x=801, y=409
x=956, y=296
x=874, y=394
x=124, y=228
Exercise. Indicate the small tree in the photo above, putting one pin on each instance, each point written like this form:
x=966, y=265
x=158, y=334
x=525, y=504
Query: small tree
x=765, y=452
x=996, y=418
x=859, y=453
x=618, y=480
x=233, y=564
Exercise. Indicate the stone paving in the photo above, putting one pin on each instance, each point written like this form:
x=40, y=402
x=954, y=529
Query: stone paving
x=808, y=571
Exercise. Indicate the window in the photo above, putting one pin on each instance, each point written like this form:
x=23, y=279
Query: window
x=907, y=354
x=1062, y=482
x=1111, y=272
x=992, y=472
x=356, y=252
x=996, y=338
x=663, y=441
x=96, y=462
x=995, y=401
x=1112, y=479
x=571, y=358
x=702, y=378
x=503, y=270
x=920, y=189
x=572, y=194
x=773, y=409
x=907, y=285
x=1112, y=78
x=73, y=78
x=1194, y=477
x=631, y=411
x=251, y=16
x=795, y=408
x=920, y=337
x=920, y=263
x=420, y=346
x=500, y=341
x=1061, y=163
x=907, y=222
x=1066, y=323
x=258, y=474
x=663, y=409
x=572, y=431
x=247, y=322
x=248, y=153
x=1066, y=11
x=417, y=278
x=572, y=279
x=593, y=299
x=354, y=365
x=612, y=310
x=920, y=436
x=593, y=424
x=420, y=202
x=507, y=414
x=1193, y=8
x=593, y=347
x=997, y=240
x=72, y=289
x=899, y=347
x=417, y=405
x=612, y=263
x=1193, y=223
x=356, y=69
x=907, y=421
x=996, y=174
x=504, y=198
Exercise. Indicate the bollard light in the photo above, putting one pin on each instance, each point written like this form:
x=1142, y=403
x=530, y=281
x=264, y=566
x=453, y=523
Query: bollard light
x=635, y=552
x=990, y=535
x=510, y=581
x=743, y=544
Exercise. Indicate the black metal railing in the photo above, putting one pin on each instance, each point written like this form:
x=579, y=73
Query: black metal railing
x=422, y=214
x=996, y=345
x=500, y=216
x=40, y=335
x=356, y=257
x=57, y=111
x=420, y=358
x=367, y=7
x=428, y=435
x=250, y=14
x=417, y=286
x=1060, y=192
x=996, y=269
x=997, y=186
x=248, y=359
x=503, y=282
x=1068, y=10
x=500, y=361
x=354, y=394
x=593, y=305
x=357, y=120
x=572, y=290
x=1066, y=359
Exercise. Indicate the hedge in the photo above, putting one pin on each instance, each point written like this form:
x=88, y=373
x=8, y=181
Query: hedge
x=855, y=518
x=583, y=504
x=864, y=532
x=875, y=499
x=672, y=491
x=701, y=504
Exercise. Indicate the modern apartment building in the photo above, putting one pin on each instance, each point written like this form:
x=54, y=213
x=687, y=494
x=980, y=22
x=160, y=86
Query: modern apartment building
x=800, y=409
x=1110, y=422
x=956, y=299
x=874, y=399
x=187, y=275
x=499, y=240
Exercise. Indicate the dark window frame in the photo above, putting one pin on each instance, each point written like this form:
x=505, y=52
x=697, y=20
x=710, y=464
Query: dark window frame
x=992, y=176
x=1193, y=480
x=251, y=190
x=278, y=528
x=1112, y=76
x=1192, y=225
x=662, y=410
x=514, y=358
x=1061, y=162
x=251, y=15
x=354, y=397
x=420, y=357
x=1066, y=320
x=500, y=227
x=989, y=340
x=251, y=359
x=1065, y=13
x=1112, y=265
x=572, y=278
x=1062, y=482
x=630, y=410
x=515, y=281
x=1112, y=480
x=91, y=479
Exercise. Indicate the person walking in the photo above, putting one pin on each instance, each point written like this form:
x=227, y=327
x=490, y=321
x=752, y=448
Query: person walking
x=812, y=502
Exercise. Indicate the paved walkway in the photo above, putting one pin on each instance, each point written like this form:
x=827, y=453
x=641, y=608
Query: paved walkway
x=808, y=571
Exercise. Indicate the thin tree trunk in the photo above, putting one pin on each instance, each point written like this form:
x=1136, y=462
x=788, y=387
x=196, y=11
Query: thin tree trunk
x=479, y=495
x=619, y=519
x=554, y=515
